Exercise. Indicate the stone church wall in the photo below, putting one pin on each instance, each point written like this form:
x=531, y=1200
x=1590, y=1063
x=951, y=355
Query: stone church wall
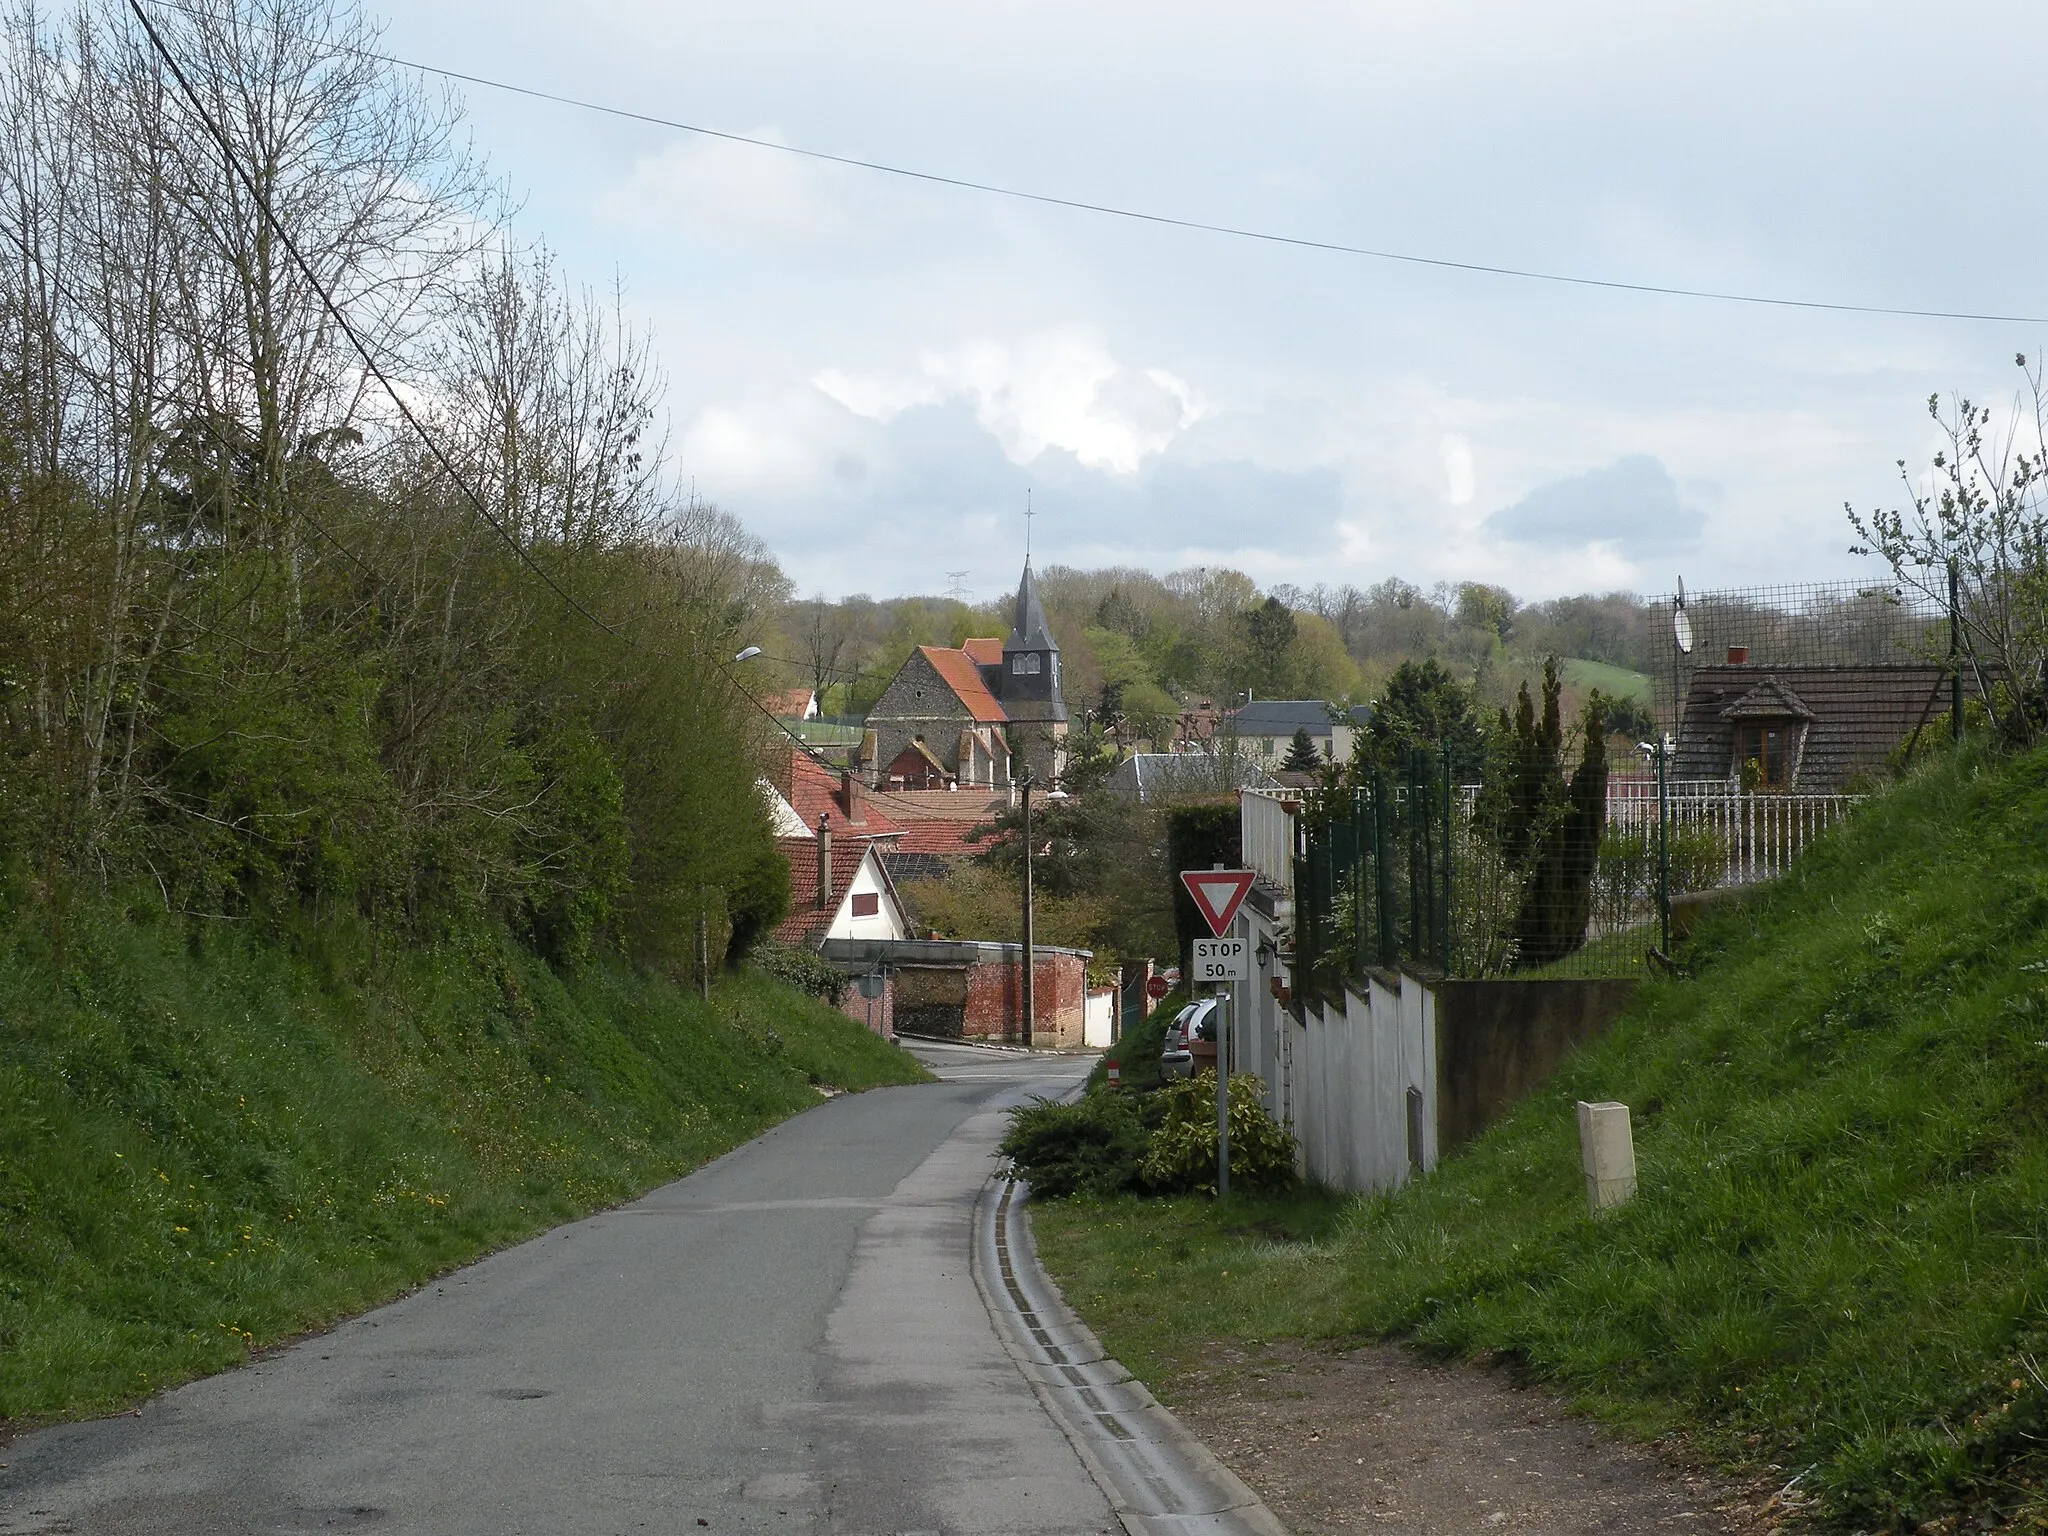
x=916, y=703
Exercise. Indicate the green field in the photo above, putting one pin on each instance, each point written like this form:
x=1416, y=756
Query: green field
x=1616, y=682
x=1838, y=1262
x=208, y=1145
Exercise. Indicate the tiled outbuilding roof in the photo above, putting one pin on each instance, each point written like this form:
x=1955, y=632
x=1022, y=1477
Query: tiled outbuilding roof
x=984, y=652
x=938, y=821
x=813, y=790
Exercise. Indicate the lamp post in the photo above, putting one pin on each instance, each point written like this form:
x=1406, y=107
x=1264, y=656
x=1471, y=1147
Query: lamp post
x=1027, y=784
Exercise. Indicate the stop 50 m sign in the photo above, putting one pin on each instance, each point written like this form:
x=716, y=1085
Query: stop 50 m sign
x=1222, y=960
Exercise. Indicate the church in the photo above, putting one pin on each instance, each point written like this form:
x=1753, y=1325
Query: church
x=975, y=717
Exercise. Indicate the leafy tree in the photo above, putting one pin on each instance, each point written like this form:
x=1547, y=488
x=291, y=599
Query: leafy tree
x=1487, y=609
x=1097, y=860
x=1198, y=836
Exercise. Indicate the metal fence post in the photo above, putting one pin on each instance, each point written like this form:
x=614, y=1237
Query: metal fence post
x=1359, y=862
x=1444, y=930
x=1221, y=1030
x=1663, y=844
x=1383, y=876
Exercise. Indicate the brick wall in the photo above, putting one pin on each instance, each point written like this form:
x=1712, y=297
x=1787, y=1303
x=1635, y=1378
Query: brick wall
x=880, y=1015
x=968, y=989
x=977, y=998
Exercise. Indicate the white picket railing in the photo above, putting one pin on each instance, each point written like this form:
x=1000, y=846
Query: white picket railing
x=1760, y=834
x=1266, y=834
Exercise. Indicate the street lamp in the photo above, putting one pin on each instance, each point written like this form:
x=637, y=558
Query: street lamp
x=748, y=654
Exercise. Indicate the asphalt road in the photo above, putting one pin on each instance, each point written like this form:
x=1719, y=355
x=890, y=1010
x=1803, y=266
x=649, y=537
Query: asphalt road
x=789, y=1339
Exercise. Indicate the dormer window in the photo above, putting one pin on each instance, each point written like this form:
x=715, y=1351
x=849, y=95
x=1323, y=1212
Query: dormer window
x=1766, y=726
x=1024, y=664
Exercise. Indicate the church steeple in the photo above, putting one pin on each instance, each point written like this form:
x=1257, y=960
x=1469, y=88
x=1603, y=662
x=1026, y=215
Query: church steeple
x=1031, y=660
x=1027, y=625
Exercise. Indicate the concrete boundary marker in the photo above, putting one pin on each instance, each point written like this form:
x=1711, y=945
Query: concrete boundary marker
x=1159, y=1478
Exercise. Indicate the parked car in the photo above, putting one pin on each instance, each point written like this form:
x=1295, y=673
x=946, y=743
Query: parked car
x=1191, y=1024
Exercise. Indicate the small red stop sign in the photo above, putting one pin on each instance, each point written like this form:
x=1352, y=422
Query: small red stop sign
x=1157, y=987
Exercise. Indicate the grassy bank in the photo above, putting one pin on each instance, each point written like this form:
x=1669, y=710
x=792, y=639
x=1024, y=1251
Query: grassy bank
x=204, y=1150
x=1838, y=1262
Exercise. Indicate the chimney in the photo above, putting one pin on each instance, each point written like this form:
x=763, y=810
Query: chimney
x=849, y=794
x=1738, y=655
x=824, y=862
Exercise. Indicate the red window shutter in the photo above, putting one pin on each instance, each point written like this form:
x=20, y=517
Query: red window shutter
x=866, y=903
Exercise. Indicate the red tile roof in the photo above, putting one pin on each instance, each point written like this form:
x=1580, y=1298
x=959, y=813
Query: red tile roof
x=986, y=652
x=790, y=703
x=957, y=670
x=807, y=921
x=813, y=790
x=938, y=820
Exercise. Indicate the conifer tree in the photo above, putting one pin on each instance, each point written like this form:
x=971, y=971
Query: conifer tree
x=1302, y=756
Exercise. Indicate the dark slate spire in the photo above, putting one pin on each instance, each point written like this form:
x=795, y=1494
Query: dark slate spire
x=1028, y=631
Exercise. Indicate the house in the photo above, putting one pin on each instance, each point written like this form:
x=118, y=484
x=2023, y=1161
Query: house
x=839, y=882
x=918, y=833
x=1807, y=729
x=839, y=889
x=1151, y=778
x=956, y=716
x=1265, y=728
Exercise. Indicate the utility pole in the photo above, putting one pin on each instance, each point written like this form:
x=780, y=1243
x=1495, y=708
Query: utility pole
x=1027, y=784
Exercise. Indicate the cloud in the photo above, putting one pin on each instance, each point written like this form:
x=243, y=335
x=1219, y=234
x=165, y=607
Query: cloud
x=728, y=190
x=1632, y=504
x=1459, y=480
x=1058, y=389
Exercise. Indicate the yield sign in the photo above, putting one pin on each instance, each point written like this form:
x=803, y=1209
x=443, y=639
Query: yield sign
x=1218, y=894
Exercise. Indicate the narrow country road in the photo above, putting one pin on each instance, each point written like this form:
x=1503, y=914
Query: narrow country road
x=787, y=1340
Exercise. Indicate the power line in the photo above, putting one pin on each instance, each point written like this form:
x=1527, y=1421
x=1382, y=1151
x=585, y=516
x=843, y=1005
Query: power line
x=1233, y=231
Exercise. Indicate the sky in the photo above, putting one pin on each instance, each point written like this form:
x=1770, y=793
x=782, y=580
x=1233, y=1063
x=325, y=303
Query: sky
x=873, y=372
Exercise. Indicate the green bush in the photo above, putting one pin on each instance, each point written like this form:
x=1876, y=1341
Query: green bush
x=802, y=969
x=1180, y=1154
x=1093, y=1146
x=1109, y=1141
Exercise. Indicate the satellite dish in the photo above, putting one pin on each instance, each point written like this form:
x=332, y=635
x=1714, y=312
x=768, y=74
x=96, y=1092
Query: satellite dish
x=1681, y=630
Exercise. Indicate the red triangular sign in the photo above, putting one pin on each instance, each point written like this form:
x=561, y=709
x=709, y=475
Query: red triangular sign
x=1218, y=893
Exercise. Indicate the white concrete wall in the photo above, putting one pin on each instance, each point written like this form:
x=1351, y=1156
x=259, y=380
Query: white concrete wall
x=1338, y=1076
x=1098, y=1017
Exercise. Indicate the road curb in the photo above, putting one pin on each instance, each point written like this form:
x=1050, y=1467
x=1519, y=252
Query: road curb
x=1158, y=1477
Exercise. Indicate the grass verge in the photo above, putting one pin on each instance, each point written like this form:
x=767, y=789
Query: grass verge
x=205, y=1150
x=1838, y=1261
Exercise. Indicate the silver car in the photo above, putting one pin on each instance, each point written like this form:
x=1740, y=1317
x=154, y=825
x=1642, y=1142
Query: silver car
x=1189, y=1025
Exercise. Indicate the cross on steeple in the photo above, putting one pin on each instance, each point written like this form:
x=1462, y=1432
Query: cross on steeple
x=1028, y=515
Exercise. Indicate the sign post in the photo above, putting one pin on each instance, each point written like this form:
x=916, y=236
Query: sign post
x=1217, y=894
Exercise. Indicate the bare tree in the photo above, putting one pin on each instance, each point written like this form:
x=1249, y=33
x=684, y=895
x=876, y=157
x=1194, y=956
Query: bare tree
x=1980, y=525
